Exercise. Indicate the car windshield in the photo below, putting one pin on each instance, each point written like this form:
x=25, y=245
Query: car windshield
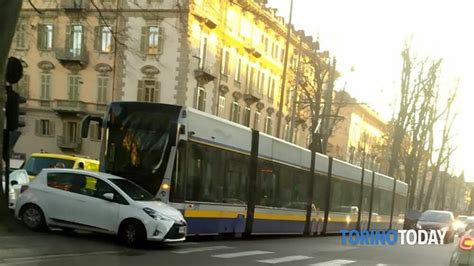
x=132, y=190
x=462, y=218
x=36, y=164
x=439, y=217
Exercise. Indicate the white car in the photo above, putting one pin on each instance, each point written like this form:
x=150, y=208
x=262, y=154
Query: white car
x=18, y=178
x=76, y=199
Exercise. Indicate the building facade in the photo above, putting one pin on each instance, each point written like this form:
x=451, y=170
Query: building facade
x=360, y=136
x=221, y=57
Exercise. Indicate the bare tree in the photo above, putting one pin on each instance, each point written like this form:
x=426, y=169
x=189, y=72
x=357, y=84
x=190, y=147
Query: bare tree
x=444, y=152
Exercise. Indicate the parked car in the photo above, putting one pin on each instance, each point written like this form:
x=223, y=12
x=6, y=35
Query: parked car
x=438, y=220
x=460, y=224
x=469, y=223
x=99, y=202
x=411, y=218
x=18, y=178
x=464, y=252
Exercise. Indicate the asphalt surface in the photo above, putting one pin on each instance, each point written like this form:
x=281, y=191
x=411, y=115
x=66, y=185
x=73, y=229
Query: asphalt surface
x=60, y=248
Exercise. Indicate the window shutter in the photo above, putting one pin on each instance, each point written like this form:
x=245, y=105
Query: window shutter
x=98, y=39
x=157, y=92
x=37, y=127
x=68, y=37
x=144, y=40
x=40, y=36
x=161, y=39
x=52, y=128
x=54, y=35
x=140, y=91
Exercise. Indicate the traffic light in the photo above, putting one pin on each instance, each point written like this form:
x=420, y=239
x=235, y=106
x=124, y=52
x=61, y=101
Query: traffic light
x=12, y=107
x=13, y=111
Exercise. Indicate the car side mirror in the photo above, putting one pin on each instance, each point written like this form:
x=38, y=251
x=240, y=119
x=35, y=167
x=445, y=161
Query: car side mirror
x=14, y=182
x=108, y=196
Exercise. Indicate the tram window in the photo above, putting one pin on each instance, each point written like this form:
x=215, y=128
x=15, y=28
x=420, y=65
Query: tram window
x=285, y=187
x=267, y=178
x=236, y=175
x=385, y=202
x=366, y=198
x=377, y=198
x=298, y=190
x=205, y=174
x=320, y=191
x=345, y=195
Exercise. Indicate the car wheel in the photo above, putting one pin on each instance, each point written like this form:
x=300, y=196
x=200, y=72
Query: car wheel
x=33, y=218
x=132, y=233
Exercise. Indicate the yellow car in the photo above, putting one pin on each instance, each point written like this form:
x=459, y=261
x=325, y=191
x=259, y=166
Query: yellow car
x=39, y=161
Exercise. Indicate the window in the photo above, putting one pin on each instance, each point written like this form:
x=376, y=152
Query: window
x=238, y=67
x=202, y=51
x=271, y=87
x=261, y=82
x=95, y=132
x=152, y=40
x=74, y=40
x=103, y=39
x=44, y=128
x=286, y=132
x=247, y=113
x=73, y=87
x=225, y=70
x=71, y=132
x=256, y=121
x=221, y=109
x=148, y=90
x=102, y=85
x=235, y=112
x=21, y=35
x=268, y=125
x=250, y=83
x=45, y=37
x=201, y=99
x=45, y=86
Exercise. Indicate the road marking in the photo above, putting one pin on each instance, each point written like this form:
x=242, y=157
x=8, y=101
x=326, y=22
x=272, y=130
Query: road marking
x=333, y=263
x=192, y=250
x=285, y=259
x=56, y=256
x=241, y=254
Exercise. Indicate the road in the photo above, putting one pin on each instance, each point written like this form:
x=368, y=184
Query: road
x=59, y=248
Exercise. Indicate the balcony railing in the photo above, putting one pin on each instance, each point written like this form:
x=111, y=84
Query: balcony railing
x=72, y=55
x=206, y=72
x=69, y=143
x=74, y=5
x=252, y=95
x=69, y=106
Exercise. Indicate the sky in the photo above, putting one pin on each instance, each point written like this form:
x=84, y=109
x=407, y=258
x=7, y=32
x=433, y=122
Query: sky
x=368, y=36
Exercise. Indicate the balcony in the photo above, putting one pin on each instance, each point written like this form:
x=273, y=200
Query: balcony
x=251, y=96
x=69, y=106
x=68, y=56
x=74, y=5
x=205, y=73
x=69, y=142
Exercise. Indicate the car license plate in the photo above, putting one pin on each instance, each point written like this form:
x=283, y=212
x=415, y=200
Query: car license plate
x=182, y=230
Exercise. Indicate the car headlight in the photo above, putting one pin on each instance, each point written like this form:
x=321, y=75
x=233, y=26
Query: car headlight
x=156, y=215
x=417, y=226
